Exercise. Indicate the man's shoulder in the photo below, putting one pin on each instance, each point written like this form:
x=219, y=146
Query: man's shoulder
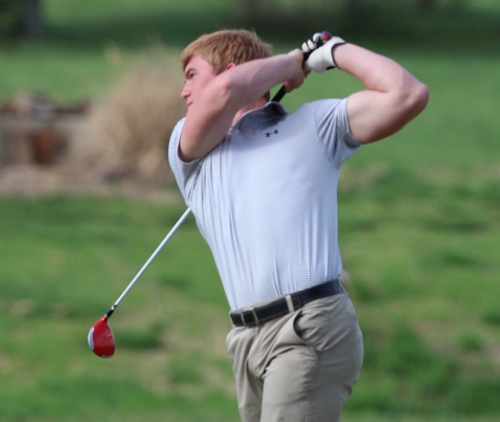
x=177, y=130
x=322, y=103
x=175, y=136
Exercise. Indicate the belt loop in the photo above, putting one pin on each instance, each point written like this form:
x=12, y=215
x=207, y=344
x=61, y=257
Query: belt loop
x=341, y=286
x=289, y=303
x=243, y=319
x=255, y=316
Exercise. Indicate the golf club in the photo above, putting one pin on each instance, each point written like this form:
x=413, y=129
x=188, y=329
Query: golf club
x=100, y=338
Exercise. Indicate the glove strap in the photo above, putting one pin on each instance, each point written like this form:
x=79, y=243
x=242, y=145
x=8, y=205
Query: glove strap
x=328, y=49
x=321, y=59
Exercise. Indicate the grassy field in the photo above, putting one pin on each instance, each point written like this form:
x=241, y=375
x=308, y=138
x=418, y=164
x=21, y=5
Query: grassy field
x=424, y=287
x=419, y=234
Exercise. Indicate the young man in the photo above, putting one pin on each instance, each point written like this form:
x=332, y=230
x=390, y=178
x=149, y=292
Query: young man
x=262, y=186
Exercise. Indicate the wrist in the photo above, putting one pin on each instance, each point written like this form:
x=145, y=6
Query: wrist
x=296, y=57
x=332, y=44
x=322, y=58
x=336, y=57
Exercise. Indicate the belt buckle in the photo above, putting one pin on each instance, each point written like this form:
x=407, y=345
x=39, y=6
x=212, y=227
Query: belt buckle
x=256, y=319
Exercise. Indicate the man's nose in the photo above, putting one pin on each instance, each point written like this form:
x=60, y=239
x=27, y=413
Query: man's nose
x=185, y=92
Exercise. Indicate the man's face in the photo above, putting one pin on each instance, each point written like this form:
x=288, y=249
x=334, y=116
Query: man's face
x=197, y=75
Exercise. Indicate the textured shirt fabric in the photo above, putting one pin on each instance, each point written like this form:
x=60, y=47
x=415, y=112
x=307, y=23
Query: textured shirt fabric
x=265, y=199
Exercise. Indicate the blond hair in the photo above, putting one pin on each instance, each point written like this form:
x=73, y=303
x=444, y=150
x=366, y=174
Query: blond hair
x=226, y=46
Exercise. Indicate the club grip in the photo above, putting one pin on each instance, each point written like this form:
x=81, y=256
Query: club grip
x=281, y=93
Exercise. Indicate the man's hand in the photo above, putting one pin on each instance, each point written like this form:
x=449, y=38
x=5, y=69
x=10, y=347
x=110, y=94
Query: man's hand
x=298, y=75
x=318, y=52
x=316, y=41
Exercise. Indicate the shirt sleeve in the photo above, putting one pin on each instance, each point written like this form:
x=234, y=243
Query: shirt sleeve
x=334, y=133
x=184, y=173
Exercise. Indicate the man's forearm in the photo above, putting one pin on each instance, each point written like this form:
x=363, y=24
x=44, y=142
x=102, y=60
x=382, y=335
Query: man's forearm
x=250, y=81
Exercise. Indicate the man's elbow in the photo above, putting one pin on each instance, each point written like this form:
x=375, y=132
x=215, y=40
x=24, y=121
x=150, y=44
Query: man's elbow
x=406, y=105
x=416, y=98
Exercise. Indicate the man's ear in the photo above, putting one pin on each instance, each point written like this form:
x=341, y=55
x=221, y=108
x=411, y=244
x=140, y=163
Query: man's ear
x=230, y=65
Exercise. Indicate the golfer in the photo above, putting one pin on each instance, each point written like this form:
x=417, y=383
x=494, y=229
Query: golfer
x=262, y=185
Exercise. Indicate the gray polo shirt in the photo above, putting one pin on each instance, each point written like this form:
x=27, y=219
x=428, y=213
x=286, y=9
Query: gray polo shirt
x=265, y=199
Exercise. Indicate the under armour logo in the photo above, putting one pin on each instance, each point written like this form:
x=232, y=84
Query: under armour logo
x=268, y=134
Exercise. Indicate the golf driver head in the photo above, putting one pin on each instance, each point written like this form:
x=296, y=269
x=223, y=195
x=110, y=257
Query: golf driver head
x=101, y=340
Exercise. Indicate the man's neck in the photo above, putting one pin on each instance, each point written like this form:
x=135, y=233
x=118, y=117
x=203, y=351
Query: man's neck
x=256, y=104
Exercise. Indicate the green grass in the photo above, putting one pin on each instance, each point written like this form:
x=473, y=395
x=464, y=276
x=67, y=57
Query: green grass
x=65, y=262
x=425, y=295
x=419, y=237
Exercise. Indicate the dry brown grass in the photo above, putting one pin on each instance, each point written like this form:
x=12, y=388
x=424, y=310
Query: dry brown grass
x=125, y=136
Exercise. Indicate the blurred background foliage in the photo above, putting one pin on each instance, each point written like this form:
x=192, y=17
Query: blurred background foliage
x=419, y=212
x=455, y=21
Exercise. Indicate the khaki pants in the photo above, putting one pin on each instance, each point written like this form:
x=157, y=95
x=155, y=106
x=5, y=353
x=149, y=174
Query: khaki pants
x=300, y=367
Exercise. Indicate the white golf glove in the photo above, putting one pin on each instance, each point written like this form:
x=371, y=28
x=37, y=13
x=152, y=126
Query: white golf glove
x=318, y=52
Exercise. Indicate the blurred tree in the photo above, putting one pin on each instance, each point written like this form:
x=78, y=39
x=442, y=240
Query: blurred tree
x=31, y=19
x=21, y=18
x=251, y=9
x=426, y=5
x=356, y=11
x=9, y=14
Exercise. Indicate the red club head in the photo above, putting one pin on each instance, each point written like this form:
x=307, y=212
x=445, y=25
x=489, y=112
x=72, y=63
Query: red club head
x=101, y=339
x=326, y=35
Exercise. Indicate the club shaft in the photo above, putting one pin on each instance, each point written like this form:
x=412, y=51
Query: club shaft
x=279, y=95
x=151, y=258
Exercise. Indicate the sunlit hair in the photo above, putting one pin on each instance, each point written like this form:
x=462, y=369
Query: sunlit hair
x=226, y=46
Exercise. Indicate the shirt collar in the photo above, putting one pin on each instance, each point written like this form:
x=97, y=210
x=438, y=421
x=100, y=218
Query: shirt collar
x=272, y=111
